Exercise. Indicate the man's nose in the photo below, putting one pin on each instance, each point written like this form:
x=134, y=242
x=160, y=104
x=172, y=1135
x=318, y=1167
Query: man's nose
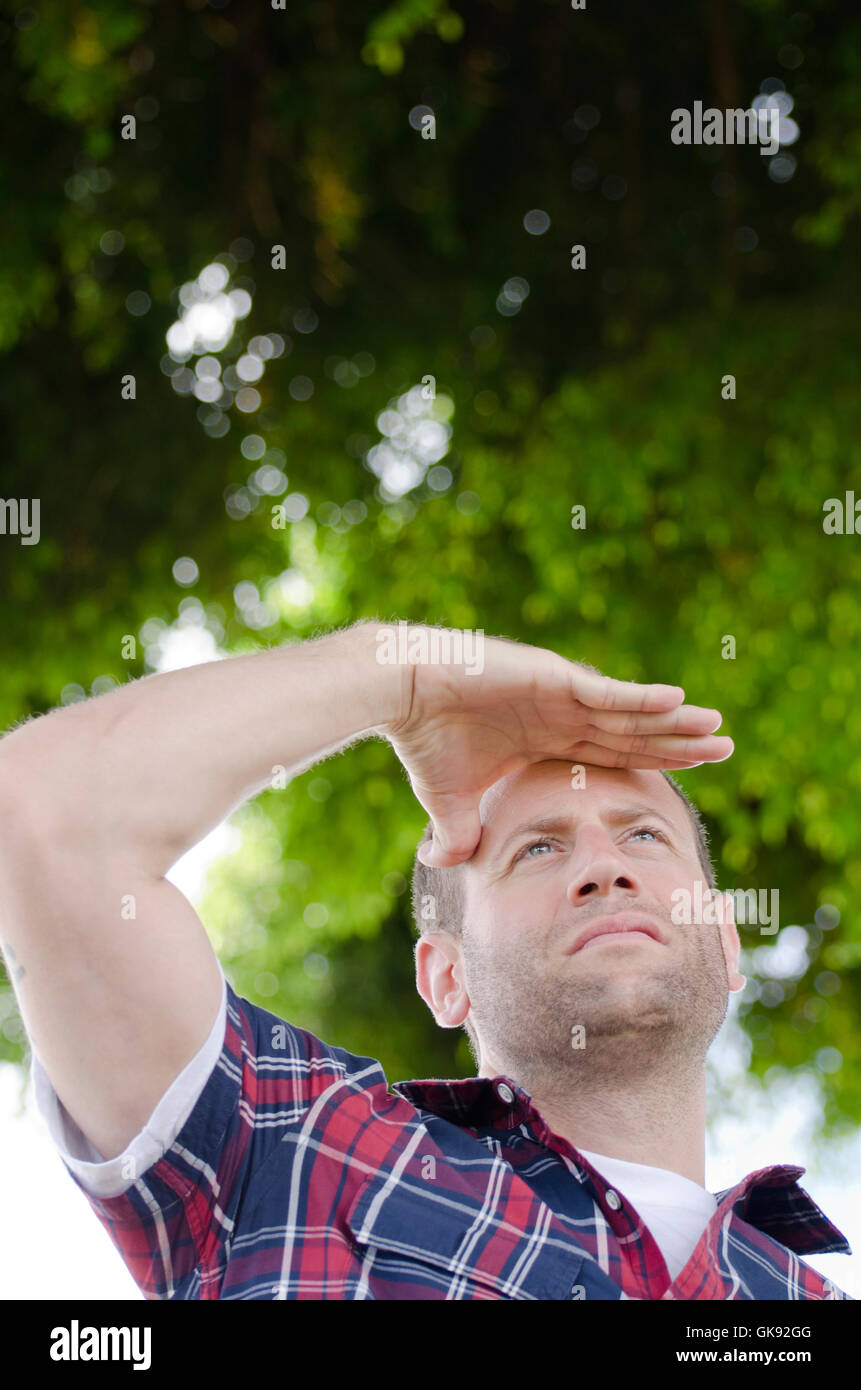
x=598, y=868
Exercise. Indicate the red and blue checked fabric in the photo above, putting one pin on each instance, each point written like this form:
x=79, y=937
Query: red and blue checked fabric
x=299, y=1174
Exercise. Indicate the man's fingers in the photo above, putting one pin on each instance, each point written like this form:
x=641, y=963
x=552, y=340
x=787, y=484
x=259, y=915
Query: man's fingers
x=705, y=748
x=592, y=753
x=686, y=719
x=605, y=693
x=652, y=753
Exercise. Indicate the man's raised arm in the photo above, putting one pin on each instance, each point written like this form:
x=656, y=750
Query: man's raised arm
x=97, y=801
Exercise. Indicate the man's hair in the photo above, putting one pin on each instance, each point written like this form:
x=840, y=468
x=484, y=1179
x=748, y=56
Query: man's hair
x=438, y=896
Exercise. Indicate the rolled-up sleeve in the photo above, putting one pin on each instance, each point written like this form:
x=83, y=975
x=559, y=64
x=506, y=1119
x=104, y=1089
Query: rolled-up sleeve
x=170, y=1201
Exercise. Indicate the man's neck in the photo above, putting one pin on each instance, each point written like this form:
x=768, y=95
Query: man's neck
x=660, y=1123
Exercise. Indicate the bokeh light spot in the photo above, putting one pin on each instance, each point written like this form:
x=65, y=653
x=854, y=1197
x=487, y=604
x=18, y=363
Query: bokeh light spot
x=138, y=303
x=536, y=222
x=112, y=243
x=185, y=571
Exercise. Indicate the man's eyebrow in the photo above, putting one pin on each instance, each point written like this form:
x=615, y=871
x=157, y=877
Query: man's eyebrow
x=561, y=825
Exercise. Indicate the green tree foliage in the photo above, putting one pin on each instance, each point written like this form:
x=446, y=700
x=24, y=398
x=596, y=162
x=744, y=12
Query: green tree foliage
x=599, y=388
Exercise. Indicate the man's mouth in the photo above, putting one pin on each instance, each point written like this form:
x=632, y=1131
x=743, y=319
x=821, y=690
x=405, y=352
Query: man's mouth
x=622, y=928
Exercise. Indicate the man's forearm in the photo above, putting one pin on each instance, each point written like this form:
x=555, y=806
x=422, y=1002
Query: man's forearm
x=148, y=770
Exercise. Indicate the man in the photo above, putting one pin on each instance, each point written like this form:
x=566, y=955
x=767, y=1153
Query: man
x=233, y=1155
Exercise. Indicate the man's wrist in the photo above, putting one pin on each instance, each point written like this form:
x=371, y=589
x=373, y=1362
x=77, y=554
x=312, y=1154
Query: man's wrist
x=384, y=688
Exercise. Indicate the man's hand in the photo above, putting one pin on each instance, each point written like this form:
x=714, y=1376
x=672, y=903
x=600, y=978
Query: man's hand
x=460, y=733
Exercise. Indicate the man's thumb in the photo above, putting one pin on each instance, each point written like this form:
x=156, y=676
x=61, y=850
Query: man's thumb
x=454, y=840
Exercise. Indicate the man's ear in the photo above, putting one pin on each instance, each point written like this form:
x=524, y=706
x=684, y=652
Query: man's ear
x=730, y=942
x=439, y=978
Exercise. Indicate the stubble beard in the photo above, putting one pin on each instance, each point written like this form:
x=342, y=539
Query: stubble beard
x=636, y=1027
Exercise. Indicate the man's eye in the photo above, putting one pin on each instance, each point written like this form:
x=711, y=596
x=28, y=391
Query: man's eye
x=649, y=830
x=535, y=844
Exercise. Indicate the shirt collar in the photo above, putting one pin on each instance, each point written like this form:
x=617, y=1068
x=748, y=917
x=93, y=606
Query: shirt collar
x=769, y=1198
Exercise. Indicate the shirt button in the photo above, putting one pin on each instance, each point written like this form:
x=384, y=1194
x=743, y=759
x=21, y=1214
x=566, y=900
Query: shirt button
x=505, y=1093
x=613, y=1200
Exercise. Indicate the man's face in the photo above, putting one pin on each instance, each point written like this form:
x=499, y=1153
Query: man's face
x=553, y=864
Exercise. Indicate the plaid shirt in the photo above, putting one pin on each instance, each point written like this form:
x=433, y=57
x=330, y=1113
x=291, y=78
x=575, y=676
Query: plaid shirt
x=298, y=1174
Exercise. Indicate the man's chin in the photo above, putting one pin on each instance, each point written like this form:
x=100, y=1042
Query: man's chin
x=632, y=979
x=627, y=1002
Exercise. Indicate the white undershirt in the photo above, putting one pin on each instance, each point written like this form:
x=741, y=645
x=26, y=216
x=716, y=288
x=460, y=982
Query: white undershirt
x=675, y=1209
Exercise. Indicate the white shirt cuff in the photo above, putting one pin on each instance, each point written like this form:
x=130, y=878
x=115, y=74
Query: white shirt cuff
x=102, y=1177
